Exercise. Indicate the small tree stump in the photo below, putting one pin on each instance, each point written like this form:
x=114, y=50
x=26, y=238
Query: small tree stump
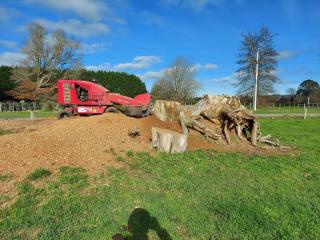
x=168, y=141
x=167, y=110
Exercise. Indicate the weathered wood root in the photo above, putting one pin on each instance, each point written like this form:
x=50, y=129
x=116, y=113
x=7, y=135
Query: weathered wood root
x=225, y=132
x=187, y=122
x=269, y=140
x=254, y=133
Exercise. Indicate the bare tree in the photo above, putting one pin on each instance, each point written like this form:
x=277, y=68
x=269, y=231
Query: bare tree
x=258, y=62
x=291, y=91
x=178, y=82
x=47, y=57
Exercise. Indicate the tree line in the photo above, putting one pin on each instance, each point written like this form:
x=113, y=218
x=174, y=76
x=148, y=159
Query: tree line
x=308, y=93
x=119, y=82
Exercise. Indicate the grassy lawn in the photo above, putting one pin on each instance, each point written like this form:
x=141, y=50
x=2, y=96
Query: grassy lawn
x=196, y=195
x=26, y=114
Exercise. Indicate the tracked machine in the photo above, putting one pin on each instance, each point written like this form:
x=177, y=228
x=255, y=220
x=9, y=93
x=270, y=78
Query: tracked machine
x=78, y=97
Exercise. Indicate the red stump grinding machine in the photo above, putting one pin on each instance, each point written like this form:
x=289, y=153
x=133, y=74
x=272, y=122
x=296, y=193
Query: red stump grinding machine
x=87, y=98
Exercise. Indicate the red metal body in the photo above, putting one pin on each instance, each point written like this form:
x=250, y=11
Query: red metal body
x=84, y=97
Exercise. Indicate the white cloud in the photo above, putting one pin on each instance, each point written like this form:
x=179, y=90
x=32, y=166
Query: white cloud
x=8, y=44
x=11, y=58
x=196, y=5
x=139, y=62
x=291, y=9
x=155, y=75
x=90, y=48
x=239, y=2
x=207, y=66
x=103, y=67
x=76, y=27
x=150, y=18
x=231, y=79
x=286, y=54
x=152, y=75
x=6, y=14
x=88, y=9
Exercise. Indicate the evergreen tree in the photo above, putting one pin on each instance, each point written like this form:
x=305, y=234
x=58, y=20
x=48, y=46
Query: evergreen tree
x=5, y=83
x=119, y=82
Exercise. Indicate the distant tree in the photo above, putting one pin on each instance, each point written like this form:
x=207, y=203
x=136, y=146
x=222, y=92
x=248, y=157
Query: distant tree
x=162, y=89
x=177, y=83
x=47, y=56
x=119, y=82
x=257, y=59
x=5, y=83
x=307, y=88
x=291, y=91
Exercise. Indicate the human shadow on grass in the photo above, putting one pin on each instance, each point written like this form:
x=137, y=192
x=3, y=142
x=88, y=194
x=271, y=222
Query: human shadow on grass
x=140, y=222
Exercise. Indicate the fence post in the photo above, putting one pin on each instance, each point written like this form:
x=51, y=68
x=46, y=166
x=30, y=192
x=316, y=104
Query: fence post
x=31, y=115
x=22, y=105
x=34, y=106
x=0, y=106
x=305, y=113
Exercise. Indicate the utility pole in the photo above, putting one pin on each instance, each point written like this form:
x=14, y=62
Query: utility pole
x=256, y=84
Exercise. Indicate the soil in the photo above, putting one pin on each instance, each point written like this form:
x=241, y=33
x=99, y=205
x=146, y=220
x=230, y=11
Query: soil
x=90, y=142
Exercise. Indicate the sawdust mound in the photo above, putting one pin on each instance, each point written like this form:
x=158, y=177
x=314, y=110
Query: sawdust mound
x=89, y=142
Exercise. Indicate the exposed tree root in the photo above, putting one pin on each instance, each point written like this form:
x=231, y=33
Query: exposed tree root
x=269, y=140
x=187, y=122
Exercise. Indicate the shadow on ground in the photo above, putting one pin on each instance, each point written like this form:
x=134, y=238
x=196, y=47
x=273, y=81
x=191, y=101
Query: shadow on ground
x=140, y=223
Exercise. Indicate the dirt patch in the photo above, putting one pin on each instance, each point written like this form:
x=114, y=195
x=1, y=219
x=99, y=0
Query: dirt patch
x=89, y=142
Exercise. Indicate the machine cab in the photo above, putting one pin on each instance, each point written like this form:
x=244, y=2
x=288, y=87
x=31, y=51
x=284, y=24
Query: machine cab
x=77, y=92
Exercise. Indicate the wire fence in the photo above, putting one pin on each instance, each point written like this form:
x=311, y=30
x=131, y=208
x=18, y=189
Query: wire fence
x=287, y=107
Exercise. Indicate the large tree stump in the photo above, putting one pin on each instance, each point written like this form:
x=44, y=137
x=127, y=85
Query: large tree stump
x=167, y=110
x=230, y=113
x=168, y=141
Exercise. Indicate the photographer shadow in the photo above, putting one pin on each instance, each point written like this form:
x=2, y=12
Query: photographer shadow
x=140, y=222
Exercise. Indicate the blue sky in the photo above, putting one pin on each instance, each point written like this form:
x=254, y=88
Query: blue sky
x=143, y=37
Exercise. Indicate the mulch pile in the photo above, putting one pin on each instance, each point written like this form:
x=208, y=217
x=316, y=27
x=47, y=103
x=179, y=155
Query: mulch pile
x=89, y=142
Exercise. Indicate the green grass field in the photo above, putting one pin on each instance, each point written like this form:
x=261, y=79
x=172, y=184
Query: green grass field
x=26, y=114
x=196, y=195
